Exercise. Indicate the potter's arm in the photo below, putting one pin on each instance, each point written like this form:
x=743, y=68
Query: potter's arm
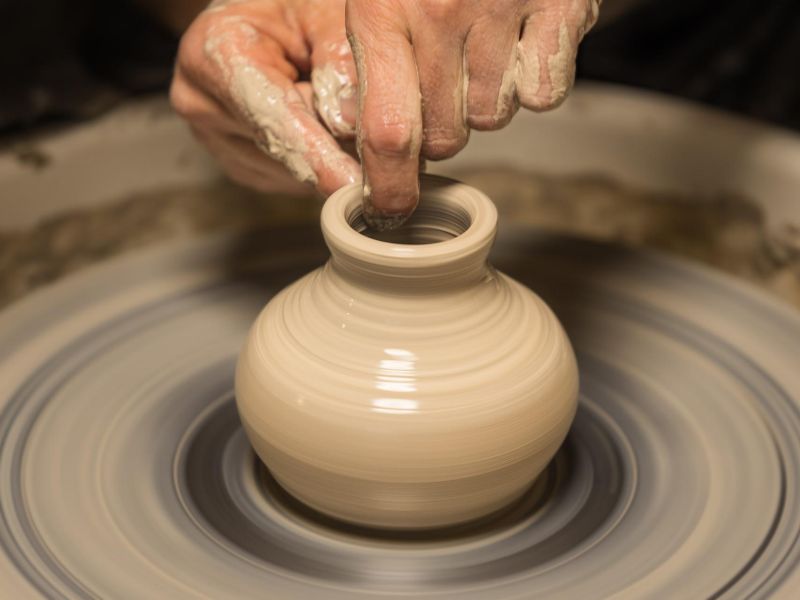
x=428, y=72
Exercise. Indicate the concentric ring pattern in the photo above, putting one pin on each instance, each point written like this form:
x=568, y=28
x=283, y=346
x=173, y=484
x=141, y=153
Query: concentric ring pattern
x=124, y=472
x=459, y=378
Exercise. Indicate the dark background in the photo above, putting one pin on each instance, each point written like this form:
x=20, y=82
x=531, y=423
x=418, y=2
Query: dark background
x=70, y=60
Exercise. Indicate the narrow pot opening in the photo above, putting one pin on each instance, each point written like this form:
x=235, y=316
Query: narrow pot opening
x=450, y=234
x=433, y=222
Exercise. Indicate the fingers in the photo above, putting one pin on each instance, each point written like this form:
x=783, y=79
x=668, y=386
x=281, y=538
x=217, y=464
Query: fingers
x=442, y=79
x=249, y=76
x=286, y=130
x=389, y=118
x=428, y=71
x=333, y=72
x=547, y=51
x=492, y=59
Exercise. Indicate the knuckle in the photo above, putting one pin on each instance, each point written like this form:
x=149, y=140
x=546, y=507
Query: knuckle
x=180, y=98
x=192, y=60
x=537, y=102
x=442, y=10
x=488, y=112
x=190, y=49
x=392, y=140
x=487, y=122
x=440, y=145
x=559, y=94
x=545, y=95
x=547, y=99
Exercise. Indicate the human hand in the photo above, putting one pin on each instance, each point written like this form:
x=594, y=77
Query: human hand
x=429, y=70
x=238, y=82
x=441, y=67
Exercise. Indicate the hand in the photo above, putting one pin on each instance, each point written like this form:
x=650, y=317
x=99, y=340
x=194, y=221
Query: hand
x=429, y=70
x=238, y=81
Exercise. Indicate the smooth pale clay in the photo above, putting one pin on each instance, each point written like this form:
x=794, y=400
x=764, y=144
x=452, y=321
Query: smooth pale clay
x=406, y=383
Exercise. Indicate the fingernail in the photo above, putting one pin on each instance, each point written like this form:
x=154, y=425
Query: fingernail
x=386, y=218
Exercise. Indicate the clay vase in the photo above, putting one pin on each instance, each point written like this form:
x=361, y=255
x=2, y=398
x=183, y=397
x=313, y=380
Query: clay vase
x=406, y=383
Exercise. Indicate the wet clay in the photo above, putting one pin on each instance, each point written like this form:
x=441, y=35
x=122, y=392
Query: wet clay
x=461, y=380
x=265, y=104
x=331, y=87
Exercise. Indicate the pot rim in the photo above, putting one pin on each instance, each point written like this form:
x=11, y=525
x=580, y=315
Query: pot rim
x=451, y=196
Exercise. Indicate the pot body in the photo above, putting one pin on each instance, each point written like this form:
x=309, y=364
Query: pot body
x=408, y=394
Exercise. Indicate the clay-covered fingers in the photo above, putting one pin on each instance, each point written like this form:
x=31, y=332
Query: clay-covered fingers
x=491, y=56
x=231, y=143
x=246, y=58
x=431, y=70
x=547, y=49
x=439, y=48
x=333, y=71
x=389, y=113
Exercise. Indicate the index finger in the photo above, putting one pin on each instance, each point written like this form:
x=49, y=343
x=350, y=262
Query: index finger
x=389, y=124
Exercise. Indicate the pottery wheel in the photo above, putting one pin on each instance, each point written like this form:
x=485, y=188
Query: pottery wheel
x=124, y=472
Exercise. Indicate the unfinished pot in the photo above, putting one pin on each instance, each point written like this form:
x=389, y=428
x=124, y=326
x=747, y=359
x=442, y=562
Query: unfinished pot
x=406, y=383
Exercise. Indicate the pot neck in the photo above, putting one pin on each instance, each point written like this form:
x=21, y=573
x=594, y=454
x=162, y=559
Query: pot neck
x=445, y=243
